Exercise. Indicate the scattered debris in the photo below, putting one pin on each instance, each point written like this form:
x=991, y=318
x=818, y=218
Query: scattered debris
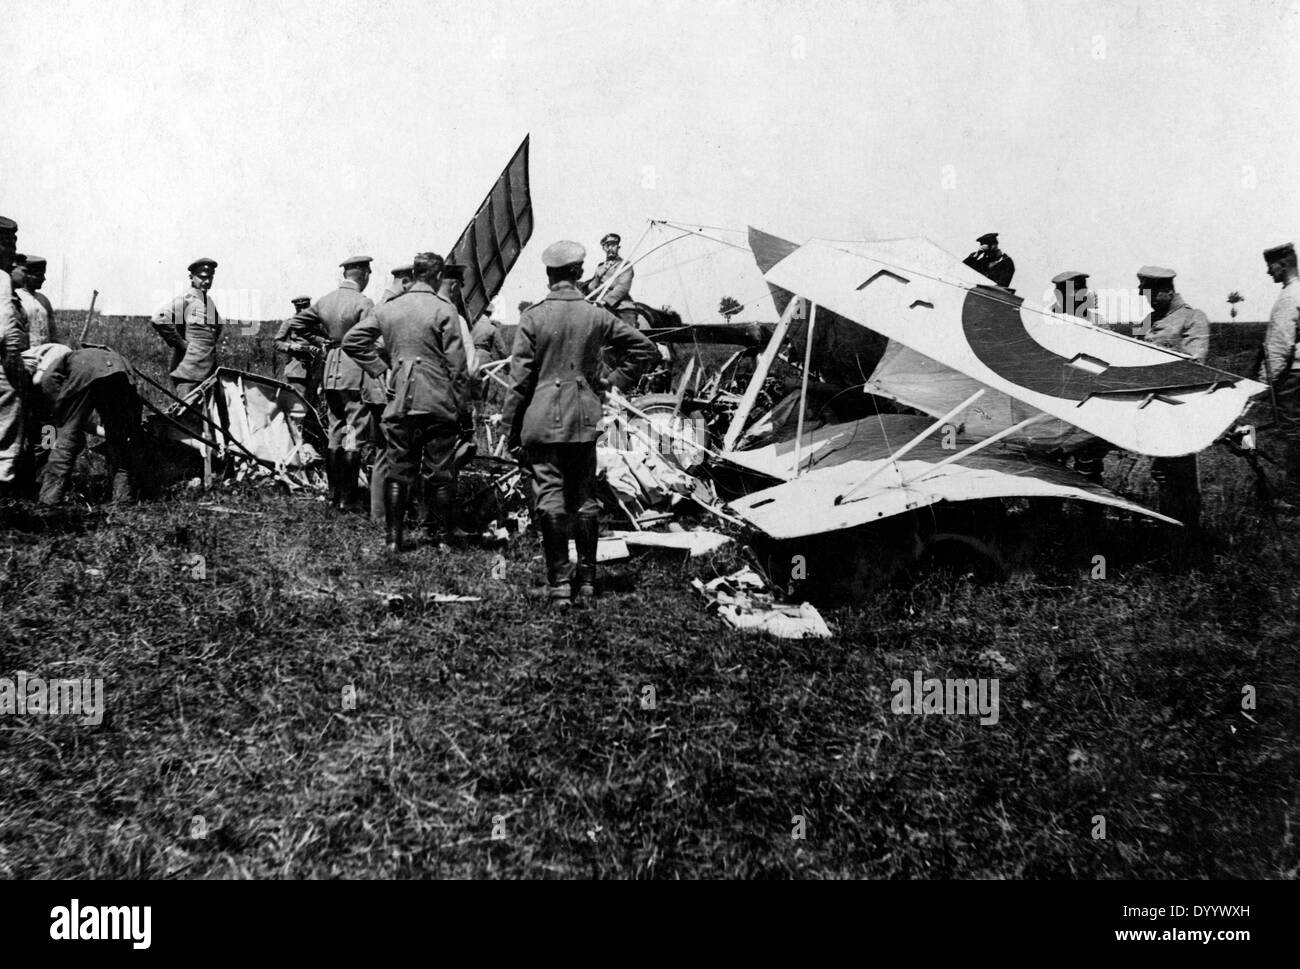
x=607, y=550
x=743, y=602
x=696, y=543
x=397, y=600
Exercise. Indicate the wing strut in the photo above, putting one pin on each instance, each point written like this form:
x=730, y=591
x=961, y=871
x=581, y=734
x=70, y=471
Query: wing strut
x=893, y=458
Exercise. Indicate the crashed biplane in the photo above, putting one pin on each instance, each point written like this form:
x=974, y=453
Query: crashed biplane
x=1008, y=389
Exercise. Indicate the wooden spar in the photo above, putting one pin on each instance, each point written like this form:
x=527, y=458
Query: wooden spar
x=760, y=374
x=681, y=387
x=90, y=315
x=979, y=445
x=893, y=458
x=803, y=389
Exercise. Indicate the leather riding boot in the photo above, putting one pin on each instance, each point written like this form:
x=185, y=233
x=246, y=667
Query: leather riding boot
x=586, y=536
x=555, y=547
x=394, y=514
x=444, y=508
x=424, y=507
x=332, y=476
x=352, y=497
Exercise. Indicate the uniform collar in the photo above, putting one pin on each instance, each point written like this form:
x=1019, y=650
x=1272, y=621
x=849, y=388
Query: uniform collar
x=349, y=284
x=1177, y=303
x=564, y=290
x=197, y=293
x=421, y=287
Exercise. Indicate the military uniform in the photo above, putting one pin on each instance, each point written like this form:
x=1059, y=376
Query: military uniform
x=13, y=375
x=554, y=410
x=349, y=393
x=997, y=268
x=72, y=384
x=41, y=325
x=191, y=326
x=1182, y=328
x=304, y=361
x=427, y=388
x=618, y=298
x=1281, y=352
x=1188, y=331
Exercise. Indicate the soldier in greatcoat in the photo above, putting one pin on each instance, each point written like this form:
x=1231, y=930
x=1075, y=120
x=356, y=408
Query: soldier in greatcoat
x=426, y=383
x=554, y=410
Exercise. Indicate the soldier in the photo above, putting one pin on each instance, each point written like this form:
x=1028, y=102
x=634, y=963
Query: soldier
x=71, y=384
x=554, y=410
x=301, y=369
x=348, y=391
x=1174, y=325
x=1281, y=364
x=191, y=326
x=400, y=284
x=427, y=386
x=991, y=261
x=489, y=344
x=28, y=277
x=1073, y=298
x=618, y=297
x=13, y=375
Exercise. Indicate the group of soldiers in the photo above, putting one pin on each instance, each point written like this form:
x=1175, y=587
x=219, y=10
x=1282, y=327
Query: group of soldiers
x=1176, y=325
x=46, y=384
x=401, y=377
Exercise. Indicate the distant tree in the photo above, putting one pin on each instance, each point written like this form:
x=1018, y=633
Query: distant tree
x=1233, y=299
x=729, y=307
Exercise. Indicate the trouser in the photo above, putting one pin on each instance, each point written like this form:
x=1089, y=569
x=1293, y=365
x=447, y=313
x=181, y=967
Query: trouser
x=183, y=388
x=420, y=448
x=1179, y=486
x=564, y=477
x=298, y=409
x=349, y=419
x=12, y=413
x=118, y=406
x=1287, y=393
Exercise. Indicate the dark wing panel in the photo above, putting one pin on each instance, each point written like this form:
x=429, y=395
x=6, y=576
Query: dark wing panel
x=494, y=238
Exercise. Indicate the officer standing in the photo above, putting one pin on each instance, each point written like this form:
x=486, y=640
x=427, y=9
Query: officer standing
x=991, y=261
x=1073, y=298
x=28, y=277
x=300, y=370
x=347, y=389
x=427, y=386
x=191, y=326
x=489, y=344
x=400, y=284
x=618, y=298
x=1174, y=325
x=13, y=374
x=1281, y=363
x=70, y=385
x=554, y=410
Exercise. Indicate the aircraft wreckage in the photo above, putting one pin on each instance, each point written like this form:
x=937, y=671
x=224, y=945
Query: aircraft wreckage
x=934, y=390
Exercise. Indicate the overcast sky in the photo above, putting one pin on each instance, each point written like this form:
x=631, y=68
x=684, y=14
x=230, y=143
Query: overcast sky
x=280, y=138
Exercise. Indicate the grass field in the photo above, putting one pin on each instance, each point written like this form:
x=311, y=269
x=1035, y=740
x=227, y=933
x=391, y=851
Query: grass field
x=276, y=718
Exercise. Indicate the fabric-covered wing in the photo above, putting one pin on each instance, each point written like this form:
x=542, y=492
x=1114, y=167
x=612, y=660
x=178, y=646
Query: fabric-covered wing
x=841, y=456
x=1135, y=395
